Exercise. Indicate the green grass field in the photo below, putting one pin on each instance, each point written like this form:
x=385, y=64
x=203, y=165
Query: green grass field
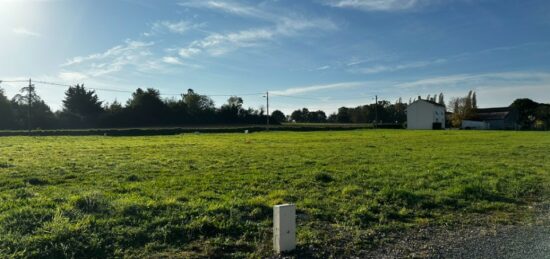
x=212, y=194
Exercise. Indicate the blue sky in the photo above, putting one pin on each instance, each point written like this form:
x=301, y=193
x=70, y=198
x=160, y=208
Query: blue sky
x=320, y=54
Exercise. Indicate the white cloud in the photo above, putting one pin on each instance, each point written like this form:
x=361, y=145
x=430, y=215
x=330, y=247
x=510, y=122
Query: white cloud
x=377, y=5
x=172, y=60
x=315, y=88
x=26, y=32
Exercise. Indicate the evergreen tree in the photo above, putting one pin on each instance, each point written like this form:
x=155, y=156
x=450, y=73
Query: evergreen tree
x=147, y=108
x=81, y=108
x=6, y=112
x=468, y=101
x=40, y=113
x=82, y=102
x=197, y=104
x=441, y=99
x=278, y=116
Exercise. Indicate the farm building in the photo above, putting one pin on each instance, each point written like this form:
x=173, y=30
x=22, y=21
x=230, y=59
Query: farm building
x=504, y=118
x=425, y=114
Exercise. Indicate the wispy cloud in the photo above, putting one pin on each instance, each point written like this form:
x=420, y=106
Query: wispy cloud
x=174, y=27
x=229, y=7
x=321, y=68
x=482, y=80
x=392, y=68
x=25, y=32
x=361, y=66
x=129, y=48
x=523, y=46
x=189, y=52
x=315, y=88
x=72, y=76
x=378, y=5
x=131, y=53
x=218, y=44
x=283, y=25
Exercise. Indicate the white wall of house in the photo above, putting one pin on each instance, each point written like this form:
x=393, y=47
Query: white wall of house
x=422, y=115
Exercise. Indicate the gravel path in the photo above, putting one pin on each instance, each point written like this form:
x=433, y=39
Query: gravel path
x=496, y=241
x=504, y=242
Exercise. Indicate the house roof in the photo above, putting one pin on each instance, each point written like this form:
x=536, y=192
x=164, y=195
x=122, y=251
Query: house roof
x=485, y=114
x=431, y=102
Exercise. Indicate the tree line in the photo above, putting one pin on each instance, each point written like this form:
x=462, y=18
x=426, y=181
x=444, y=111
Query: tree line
x=82, y=108
x=532, y=115
x=146, y=108
x=463, y=108
x=382, y=112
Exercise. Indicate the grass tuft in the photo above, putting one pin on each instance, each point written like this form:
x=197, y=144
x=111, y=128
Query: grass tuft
x=91, y=203
x=323, y=177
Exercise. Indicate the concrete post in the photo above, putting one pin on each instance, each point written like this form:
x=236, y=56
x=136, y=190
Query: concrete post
x=284, y=228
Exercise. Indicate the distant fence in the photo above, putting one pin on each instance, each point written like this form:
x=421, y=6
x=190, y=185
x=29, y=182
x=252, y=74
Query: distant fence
x=176, y=131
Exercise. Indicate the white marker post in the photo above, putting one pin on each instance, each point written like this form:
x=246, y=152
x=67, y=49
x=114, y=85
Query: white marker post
x=284, y=228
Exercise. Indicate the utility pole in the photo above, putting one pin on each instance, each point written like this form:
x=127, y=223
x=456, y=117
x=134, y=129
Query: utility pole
x=30, y=104
x=376, y=111
x=267, y=99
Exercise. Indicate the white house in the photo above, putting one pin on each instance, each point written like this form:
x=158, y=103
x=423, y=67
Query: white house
x=424, y=114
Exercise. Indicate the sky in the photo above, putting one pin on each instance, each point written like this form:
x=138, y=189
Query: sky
x=319, y=54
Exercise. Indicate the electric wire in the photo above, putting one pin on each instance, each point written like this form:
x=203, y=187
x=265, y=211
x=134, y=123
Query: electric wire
x=324, y=99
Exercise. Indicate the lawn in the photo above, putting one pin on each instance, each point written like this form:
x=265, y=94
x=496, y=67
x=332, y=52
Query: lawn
x=208, y=195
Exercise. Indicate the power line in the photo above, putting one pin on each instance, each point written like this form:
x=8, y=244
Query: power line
x=128, y=91
x=326, y=99
x=321, y=98
x=296, y=97
x=125, y=91
x=54, y=84
x=315, y=98
x=13, y=81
